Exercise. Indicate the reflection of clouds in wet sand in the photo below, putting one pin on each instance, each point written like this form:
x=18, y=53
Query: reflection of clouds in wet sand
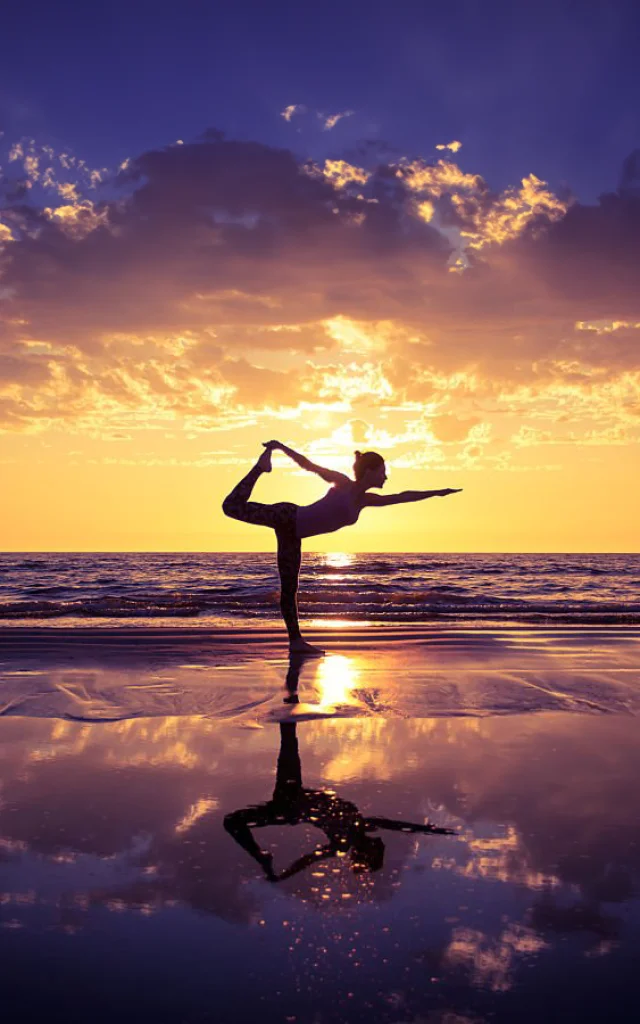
x=501, y=858
x=490, y=962
x=136, y=811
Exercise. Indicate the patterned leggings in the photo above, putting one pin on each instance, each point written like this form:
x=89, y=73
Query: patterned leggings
x=281, y=517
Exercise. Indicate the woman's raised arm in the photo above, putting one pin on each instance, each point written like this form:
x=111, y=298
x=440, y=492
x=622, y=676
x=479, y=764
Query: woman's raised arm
x=332, y=476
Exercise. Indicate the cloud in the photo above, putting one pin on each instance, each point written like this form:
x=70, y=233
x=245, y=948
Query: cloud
x=341, y=173
x=451, y=428
x=218, y=279
x=44, y=167
x=605, y=326
x=292, y=110
x=360, y=431
x=329, y=121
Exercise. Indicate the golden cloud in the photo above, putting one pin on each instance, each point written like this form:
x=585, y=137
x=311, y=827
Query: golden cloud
x=230, y=280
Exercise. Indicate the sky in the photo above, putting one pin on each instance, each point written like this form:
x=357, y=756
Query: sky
x=412, y=229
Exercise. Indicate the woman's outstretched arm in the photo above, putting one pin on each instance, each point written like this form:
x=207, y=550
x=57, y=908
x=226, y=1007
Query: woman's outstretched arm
x=396, y=499
x=407, y=826
x=332, y=476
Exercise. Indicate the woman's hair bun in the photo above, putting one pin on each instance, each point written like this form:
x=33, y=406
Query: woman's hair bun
x=364, y=461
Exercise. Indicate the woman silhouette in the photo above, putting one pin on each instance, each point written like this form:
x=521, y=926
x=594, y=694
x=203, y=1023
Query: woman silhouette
x=345, y=829
x=339, y=507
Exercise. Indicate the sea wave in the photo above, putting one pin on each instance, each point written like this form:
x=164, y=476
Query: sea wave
x=392, y=606
x=380, y=587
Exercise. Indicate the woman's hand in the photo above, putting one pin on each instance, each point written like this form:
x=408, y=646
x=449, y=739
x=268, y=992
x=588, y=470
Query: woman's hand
x=273, y=445
x=448, y=490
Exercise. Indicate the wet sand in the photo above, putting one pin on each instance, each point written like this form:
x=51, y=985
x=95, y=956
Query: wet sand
x=99, y=674
x=178, y=843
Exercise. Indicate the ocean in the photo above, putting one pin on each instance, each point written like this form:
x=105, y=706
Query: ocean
x=224, y=589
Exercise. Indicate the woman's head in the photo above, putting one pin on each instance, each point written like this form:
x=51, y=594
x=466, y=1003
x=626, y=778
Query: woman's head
x=367, y=853
x=372, y=464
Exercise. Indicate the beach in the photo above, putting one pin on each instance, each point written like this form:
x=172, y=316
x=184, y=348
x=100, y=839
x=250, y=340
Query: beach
x=143, y=766
x=102, y=674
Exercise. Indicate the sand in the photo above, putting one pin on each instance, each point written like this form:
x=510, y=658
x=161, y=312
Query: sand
x=104, y=674
x=126, y=894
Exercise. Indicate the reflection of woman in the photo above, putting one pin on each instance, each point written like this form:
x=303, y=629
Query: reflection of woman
x=292, y=804
x=340, y=507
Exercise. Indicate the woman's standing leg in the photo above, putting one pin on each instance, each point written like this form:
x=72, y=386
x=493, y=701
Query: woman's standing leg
x=289, y=558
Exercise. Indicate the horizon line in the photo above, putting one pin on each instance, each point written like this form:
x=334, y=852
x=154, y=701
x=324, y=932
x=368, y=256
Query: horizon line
x=269, y=551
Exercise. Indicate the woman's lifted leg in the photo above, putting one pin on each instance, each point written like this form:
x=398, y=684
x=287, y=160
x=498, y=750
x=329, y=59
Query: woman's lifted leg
x=237, y=504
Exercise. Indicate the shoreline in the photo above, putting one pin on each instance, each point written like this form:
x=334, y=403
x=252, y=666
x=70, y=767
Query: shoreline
x=472, y=618
x=330, y=625
x=371, y=633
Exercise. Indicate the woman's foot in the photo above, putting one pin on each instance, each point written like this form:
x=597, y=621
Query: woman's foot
x=301, y=647
x=264, y=462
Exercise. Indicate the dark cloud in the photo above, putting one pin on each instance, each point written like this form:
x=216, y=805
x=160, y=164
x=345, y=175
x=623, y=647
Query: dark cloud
x=226, y=179
x=589, y=259
x=23, y=369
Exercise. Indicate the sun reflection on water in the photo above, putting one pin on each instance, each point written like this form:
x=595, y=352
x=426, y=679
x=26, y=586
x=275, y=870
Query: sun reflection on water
x=337, y=623
x=336, y=678
x=338, y=559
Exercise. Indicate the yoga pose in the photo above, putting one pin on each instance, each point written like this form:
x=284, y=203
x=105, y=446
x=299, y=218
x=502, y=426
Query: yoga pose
x=347, y=831
x=340, y=507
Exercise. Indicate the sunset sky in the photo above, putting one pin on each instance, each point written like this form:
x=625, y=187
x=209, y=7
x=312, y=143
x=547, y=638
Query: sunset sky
x=412, y=228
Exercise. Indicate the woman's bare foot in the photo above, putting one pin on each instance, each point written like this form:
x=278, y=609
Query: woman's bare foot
x=264, y=462
x=301, y=647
